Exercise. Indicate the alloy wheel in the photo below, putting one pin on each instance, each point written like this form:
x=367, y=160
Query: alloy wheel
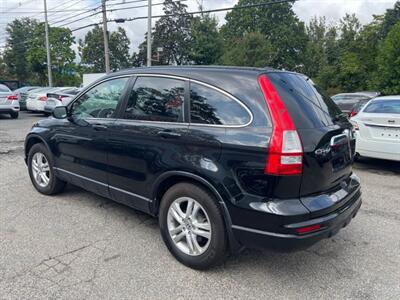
x=189, y=226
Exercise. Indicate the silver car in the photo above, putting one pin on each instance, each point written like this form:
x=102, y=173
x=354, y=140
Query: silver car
x=59, y=98
x=8, y=102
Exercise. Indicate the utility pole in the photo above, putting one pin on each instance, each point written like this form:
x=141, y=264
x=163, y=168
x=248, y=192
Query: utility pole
x=149, y=34
x=105, y=34
x=46, y=29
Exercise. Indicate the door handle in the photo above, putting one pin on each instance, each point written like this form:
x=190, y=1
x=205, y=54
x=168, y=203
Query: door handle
x=168, y=134
x=99, y=127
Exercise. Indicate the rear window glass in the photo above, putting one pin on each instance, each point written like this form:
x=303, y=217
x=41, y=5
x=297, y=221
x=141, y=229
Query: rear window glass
x=4, y=88
x=308, y=105
x=209, y=106
x=383, y=107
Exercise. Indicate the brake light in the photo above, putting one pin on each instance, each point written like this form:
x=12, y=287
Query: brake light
x=285, y=156
x=43, y=98
x=353, y=113
x=12, y=97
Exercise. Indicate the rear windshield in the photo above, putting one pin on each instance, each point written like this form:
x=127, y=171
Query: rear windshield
x=4, y=88
x=308, y=105
x=383, y=107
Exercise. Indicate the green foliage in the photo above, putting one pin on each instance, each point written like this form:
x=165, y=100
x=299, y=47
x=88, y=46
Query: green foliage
x=15, y=55
x=91, y=50
x=206, y=45
x=172, y=33
x=252, y=50
x=62, y=56
x=278, y=23
x=389, y=62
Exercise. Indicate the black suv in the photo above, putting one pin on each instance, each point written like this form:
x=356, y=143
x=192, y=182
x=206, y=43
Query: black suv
x=224, y=157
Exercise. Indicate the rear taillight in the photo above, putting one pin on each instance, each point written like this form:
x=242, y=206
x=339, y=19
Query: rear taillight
x=43, y=98
x=61, y=97
x=285, y=155
x=353, y=113
x=12, y=97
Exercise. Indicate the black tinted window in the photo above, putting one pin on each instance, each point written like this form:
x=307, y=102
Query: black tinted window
x=307, y=104
x=208, y=106
x=156, y=99
x=383, y=107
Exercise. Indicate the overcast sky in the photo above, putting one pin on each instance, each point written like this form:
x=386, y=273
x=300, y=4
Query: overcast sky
x=333, y=10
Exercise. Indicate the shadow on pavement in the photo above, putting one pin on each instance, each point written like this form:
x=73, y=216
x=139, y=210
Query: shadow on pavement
x=378, y=166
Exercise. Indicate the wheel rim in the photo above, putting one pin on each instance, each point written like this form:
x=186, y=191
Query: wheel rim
x=189, y=226
x=40, y=169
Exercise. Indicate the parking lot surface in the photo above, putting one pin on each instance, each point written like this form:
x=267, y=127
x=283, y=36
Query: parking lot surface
x=78, y=245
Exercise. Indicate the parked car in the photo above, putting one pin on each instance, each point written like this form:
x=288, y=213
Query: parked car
x=21, y=92
x=25, y=94
x=358, y=106
x=377, y=128
x=346, y=101
x=8, y=102
x=224, y=157
x=59, y=99
x=37, y=98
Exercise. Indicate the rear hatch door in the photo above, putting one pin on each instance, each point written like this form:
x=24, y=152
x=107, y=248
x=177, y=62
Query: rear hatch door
x=327, y=138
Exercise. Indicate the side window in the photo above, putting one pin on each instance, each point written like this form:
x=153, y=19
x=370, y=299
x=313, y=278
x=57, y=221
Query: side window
x=156, y=99
x=101, y=101
x=209, y=106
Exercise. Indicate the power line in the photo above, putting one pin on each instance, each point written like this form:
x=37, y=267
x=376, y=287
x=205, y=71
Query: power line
x=121, y=20
x=109, y=10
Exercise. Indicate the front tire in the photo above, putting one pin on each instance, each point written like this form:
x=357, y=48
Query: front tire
x=41, y=172
x=192, y=226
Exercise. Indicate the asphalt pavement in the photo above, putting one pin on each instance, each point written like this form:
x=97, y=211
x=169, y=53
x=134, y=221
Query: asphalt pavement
x=78, y=245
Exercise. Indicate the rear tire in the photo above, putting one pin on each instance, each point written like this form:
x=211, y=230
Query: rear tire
x=202, y=241
x=41, y=172
x=14, y=115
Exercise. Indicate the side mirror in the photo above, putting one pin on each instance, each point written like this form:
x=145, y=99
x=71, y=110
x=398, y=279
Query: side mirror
x=60, y=112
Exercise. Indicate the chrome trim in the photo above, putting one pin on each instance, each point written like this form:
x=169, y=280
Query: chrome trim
x=203, y=84
x=129, y=193
x=103, y=184
x=262, y=232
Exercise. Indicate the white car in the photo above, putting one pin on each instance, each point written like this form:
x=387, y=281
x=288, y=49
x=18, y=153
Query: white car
x=8, y=102
x=377, y=128
x=37, y=99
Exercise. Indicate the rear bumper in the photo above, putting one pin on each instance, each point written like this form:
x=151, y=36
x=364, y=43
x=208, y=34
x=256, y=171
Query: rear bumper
x=378, y=149
x=282, y=226
x=9, y=109
x=331, y=225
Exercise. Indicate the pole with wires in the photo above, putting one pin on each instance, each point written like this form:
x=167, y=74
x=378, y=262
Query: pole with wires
x=105, y=34
x=46, y=29
x=149, y=35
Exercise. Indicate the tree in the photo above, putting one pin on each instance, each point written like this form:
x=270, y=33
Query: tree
x=391, y=17
x=253, y=50
x=278, y=23
x=91, y=50
x=172, y=33
x=62, y=55
x=206, y=45
x=15, y=55
x=389, y=62
x=119, y=50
